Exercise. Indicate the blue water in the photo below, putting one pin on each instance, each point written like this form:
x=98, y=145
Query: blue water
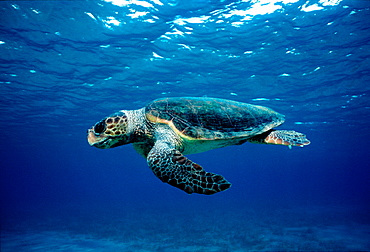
x=67, y=64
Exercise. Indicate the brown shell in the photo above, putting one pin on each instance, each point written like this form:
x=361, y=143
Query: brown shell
x=211, y=118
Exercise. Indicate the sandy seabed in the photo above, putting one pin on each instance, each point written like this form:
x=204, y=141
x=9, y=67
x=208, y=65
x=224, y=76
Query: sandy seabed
x=297, y=229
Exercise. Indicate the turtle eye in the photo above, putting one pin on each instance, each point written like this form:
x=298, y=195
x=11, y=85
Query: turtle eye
x=99, y=127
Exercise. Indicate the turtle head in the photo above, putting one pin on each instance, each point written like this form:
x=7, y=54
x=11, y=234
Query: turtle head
x=110, y=132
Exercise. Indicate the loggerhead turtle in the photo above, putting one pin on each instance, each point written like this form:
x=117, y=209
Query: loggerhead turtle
x=166, y=129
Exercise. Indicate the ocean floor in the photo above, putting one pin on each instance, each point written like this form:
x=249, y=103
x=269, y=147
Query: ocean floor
x=116, y=229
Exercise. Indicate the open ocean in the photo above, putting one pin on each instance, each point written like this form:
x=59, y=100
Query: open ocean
x=67, y=64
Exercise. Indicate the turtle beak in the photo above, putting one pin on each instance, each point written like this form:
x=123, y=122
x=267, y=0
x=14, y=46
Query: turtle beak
x=93, y=138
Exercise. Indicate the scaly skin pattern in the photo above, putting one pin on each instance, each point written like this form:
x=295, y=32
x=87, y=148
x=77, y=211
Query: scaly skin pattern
x=171, y=167
x=281, y=137
x=287, y=137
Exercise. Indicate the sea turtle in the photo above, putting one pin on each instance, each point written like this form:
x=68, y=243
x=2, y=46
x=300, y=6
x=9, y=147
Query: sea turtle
x=168, y=128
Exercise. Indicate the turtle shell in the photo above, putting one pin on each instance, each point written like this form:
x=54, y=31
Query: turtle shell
x=211, y=118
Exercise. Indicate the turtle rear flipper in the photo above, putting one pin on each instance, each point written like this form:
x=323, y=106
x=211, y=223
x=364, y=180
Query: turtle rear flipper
x=170, y=166
x=281, y=137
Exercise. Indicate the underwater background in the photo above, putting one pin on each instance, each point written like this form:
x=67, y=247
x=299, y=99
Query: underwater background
x=67, y=64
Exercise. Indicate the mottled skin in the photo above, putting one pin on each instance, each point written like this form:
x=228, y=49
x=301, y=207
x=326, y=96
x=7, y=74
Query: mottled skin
x=169, y=128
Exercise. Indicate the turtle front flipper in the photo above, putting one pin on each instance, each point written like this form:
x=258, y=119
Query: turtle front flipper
x=170, y=166
x=281, y=137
